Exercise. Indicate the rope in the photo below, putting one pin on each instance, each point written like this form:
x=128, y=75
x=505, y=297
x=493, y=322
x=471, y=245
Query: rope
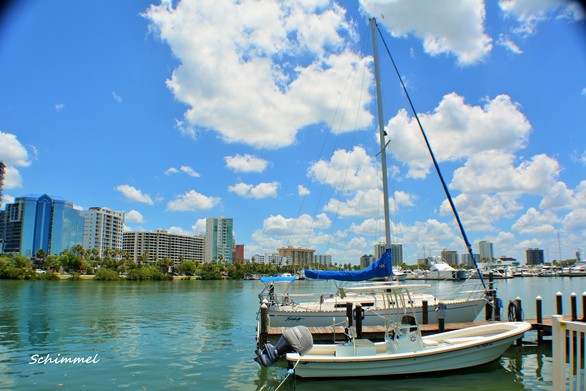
x=289, y=373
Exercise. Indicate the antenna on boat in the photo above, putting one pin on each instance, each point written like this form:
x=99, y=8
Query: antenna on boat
x=375, y=28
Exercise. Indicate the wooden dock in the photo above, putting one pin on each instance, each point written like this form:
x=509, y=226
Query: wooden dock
x=376, y=333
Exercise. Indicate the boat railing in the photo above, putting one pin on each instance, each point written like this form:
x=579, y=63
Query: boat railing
x=573, y=375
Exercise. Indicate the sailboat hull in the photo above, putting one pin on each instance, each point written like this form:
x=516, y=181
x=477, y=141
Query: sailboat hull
x=314, y=315
x=464, y=348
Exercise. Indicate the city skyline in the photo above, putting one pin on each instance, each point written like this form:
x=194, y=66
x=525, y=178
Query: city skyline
x=177, y=111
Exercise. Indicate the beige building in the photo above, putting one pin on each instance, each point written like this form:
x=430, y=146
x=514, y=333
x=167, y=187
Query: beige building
x=299, y=256
x=162, y=244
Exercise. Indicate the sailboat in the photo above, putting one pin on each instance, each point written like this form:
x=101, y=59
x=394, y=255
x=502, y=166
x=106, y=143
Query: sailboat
x=404, y=349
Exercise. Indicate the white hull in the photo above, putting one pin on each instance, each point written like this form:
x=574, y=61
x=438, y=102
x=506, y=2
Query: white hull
x=314, y=315
x=464, y=348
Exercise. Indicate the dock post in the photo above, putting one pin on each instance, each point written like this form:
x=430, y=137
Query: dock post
x=489, y=294
x=348, y=319
x=441, y=317
x=539, y=313
x=424, y=312
x=574, y=307
x=358, y=313
x=263, y=335
x=583, y=306
x=497, y=307
x=558, y=304
x=519, y=317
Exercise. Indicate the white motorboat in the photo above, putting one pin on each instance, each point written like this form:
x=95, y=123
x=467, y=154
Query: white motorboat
x=403, y=351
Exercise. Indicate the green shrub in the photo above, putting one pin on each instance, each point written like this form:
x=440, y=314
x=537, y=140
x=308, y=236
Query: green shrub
x=105, y=274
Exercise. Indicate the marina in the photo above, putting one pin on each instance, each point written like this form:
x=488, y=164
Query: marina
x=201, y=334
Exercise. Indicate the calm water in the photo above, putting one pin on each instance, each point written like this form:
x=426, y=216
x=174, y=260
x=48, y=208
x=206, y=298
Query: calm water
x=201, y=335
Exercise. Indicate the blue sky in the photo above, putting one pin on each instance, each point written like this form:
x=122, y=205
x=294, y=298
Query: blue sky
x=264, y=112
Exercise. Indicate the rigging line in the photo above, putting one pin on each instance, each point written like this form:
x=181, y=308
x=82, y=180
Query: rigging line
x=437, y=168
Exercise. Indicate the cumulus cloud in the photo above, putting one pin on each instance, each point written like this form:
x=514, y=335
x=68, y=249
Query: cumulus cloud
x=459, y=31
x=133, y=216
x=134, y=194
x=258, y=72
x=534, y=221
x=347, y=170
x=262, y=190
x=529, y=13
x=302, y=190
x=458, y=131
x=192, y=201
x=14, y=155
x=245, y=163
x=116, y=97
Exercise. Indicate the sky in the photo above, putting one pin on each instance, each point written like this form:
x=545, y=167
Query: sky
x=265, y=112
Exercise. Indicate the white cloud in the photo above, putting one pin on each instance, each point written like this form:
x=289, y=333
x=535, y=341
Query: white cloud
x=258, y=72
x=479, y=211
x=458, y=131
x=262, y=190
x=347, y=170
x=116, y=97
x=199, y=227
x=189, y=171
x=509, y=44
x=536, y=222
x=133, y=216
x=134, y=194
x=59, y=106
x=302, y=190
x=446, y=27
x=529, y=13
x=192, y=201
x=494, y=171
x=171, y=170
x=245, y=163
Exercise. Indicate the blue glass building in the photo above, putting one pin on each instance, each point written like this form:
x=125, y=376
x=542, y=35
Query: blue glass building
x=33, y=223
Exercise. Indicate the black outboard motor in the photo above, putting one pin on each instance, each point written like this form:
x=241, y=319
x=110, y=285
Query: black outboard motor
x=295, y=339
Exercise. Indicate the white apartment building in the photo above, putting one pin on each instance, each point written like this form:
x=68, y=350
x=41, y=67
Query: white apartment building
x=272, y=259
x=102, y=229
x=152, y=246
x=485, y=250
x=219, y=239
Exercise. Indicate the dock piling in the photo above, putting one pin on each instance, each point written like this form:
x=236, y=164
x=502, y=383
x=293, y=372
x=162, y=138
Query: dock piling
x=583, y=306
x=573, y=306
x=424, y=312
x=558, y=303
x=263, y=334
x=359, y=314
x=539, y=313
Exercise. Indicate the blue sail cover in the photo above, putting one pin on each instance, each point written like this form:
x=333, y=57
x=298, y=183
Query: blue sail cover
x=381, y=268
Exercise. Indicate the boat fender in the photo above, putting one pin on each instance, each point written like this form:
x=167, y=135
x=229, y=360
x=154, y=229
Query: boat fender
x=294, y=339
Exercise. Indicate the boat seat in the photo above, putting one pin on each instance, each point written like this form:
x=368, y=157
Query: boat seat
x=430, y=343
x=456, y=341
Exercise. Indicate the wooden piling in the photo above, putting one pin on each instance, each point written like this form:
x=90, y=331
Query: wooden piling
x=583, y=306
x=424, y=312
x=539, y=313
x=558, y=304
x=441, y=317
x=348, y=319
x=263, y=333
x=573, y=307
x=358, y=312
x=489, y=295
x=519, y=317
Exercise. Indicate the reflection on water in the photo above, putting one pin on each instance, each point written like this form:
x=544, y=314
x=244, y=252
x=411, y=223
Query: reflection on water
x=188, y=335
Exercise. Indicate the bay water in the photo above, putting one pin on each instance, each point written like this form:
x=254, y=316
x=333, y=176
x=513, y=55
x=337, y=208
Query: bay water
x=201, y=335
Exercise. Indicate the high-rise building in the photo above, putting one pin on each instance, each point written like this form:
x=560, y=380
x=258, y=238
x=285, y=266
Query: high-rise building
x=485, y=250
x=322, y=259
x=238, y=255
x=102, y=229
x=396, y=252
x=466, y=259
x=34, y=223
x=534, y=256
x=299, y=256
x=2, y=171
x=219, y=239
x=158, y=245
x=366, y=260
x=450, y=257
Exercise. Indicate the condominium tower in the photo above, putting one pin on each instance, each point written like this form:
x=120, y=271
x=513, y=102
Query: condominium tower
x=485, y=250
x=219, y=239
x=102, y=229
x=158, y=245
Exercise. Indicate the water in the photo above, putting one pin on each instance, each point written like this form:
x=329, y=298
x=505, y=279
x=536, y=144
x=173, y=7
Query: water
x=201, y=335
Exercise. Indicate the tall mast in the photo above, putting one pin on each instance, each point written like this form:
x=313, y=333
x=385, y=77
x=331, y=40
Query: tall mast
x=381, y=132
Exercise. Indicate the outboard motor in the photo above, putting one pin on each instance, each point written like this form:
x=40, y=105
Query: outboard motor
x=295, y=339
